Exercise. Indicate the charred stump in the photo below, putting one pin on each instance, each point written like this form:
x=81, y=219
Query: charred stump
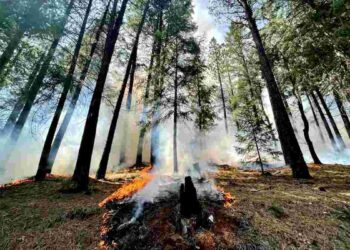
x=189, y=204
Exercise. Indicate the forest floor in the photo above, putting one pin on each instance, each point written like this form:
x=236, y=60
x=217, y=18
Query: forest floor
x=281, y=213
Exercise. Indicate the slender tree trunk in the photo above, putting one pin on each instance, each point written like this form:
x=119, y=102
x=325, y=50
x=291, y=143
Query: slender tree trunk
x=258, y=152
x=331, y=119
x=9, y=67
x=82, y=168
x=315, y=118
x=306, y=130
x=157, y=94
x=289, y=143
x=67, y=118
x=39, y=80
x=105, y=156
x=10, y=49
x=176, y=167
x=325, y=122
x=44, y=160
x=221, y=92
x=21, y=99
x=122, y=156
x=342, y=111
x=139, y=154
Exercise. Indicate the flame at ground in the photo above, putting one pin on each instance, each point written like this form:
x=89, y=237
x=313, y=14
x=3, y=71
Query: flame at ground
x=16, y=183
x=129, y=189
x=228, y=198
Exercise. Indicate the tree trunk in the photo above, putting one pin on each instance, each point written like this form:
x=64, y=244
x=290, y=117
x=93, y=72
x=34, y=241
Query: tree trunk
x=10, y=49
x=289, y=143
x=122, y=156
x=67, y=118
x=331, y=119
x=306, y=130
x=325, y=122
x=105, y=156
x=157, y=95
x=258, y=152
x=9, y=67
x=315, y=117
x=11, y=120
x=44, y=159
x=139, y=154
x=221, y=92
x=39, y=79
x=342, y=111
x=176, y=167
x=82, y=168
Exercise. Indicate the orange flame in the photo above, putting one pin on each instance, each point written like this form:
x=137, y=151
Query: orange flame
x=128, y=189
x=229, y=199
x=16, y=183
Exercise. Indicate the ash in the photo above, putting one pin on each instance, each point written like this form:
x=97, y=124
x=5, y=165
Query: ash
x=167, y=221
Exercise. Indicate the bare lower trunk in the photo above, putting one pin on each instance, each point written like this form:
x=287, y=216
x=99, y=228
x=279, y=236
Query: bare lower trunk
x=44, y=159
x=342, y=111
x=67, y=118
x=157, y=94
x=122, y=156
x=306, y=132
x=176, y=167
x=325, y=122
x=39, y=79
x=105, y=156
x=289, y=143
x=331, y=119
x=82, y=168
x=139, y=154
x=315, y=117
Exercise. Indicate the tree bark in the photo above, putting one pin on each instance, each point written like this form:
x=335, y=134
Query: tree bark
x=289, y=143
x=325, y=122
x=10, y=49
x=122, y=156
x=44, y=159
x=157, y=95
x=306, y=130
x=315, y=118
x=175, y=160
x=82, y=168
x=39, y=79
x=331, y=119
x=221, y=90
x=11, y=120
x=67, y=118
x=342, y=111
x=105, y=156
x=139, y=154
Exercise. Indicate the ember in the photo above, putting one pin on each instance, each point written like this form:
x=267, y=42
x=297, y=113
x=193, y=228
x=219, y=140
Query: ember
x=129, y=189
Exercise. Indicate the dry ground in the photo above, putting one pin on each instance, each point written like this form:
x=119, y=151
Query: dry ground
x=283, y=213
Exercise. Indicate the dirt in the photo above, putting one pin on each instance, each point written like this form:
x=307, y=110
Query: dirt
x=269, y=212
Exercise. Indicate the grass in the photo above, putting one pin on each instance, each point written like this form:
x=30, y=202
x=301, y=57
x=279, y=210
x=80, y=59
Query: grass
x=282, y=213
x=39, y=215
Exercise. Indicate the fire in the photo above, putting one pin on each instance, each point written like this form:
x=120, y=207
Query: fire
x=229, y=199
x=128, y=189
x=16, y=183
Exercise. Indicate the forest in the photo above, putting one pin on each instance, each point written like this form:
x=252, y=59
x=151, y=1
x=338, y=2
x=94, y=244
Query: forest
x=174, y=124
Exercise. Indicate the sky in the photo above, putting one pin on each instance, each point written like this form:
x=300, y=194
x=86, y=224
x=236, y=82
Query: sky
x=207, y=25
